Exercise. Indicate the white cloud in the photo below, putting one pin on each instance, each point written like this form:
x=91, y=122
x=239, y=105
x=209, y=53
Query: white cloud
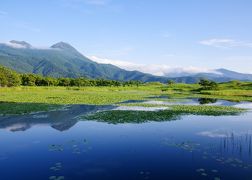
x=155, y=69
x=225, y=43
x=23, y=46
x=14, y=45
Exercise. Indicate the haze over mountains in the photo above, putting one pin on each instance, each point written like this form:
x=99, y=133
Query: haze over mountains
x=63, y=60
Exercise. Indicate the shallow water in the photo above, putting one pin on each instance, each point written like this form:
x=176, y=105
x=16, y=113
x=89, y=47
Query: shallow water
x=57, y=145
x=139, y=108
x=193, y=101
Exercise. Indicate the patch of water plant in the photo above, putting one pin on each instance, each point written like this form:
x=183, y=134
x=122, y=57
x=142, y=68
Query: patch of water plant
x=185, y=145
x=174, y=113
x=56, y=177
x=144, y=174
x=56, y=147
x=76, y=147
x=206, y=173
x=196, y=109
x=214, y=153
x=121, y=116
x=56, y=167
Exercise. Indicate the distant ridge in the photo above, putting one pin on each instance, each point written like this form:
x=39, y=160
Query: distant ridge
x=218, y=75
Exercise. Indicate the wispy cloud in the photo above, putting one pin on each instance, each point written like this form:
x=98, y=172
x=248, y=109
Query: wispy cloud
x=225, y=43
x=77, y=3
x=97, y=2
x=3, y=13
x=166, y=35
x=121, y=51
x=26, y=26
x=115, y=52
x=90, y=7
x=155, y=69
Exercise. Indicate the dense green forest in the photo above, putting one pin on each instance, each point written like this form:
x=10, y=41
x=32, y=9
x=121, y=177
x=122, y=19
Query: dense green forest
x=9, y=78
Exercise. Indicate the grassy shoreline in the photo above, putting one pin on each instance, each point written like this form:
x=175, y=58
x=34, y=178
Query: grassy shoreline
x=8, y=108
x=110, y=95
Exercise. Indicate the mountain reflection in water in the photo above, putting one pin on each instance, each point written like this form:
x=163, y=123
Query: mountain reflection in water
x=60, y=120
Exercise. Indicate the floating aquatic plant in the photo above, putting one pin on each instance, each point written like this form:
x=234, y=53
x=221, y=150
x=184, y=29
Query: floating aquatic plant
x=56, y=177
x=56, y=167
x=210, y=152
x=195, y=109
x=200, y=170
x=56, y=147
x=214, y=170
x=185, y=145
x=119, y=116
x=204, y=174
x=77, y=147
x=174, y=113
x=145, y=174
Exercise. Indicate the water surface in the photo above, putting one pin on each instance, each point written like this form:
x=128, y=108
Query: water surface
x=57, y=145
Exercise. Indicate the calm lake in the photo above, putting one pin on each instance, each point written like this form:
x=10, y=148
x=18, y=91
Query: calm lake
x=57, y=145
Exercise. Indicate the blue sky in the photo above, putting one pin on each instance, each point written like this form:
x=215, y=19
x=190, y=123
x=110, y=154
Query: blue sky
x=175, y=33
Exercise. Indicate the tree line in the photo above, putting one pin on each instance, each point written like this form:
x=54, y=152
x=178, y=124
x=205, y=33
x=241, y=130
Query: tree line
x=9, y=78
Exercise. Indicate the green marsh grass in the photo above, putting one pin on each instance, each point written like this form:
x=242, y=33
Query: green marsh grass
x=82, y=95
x=111, y=95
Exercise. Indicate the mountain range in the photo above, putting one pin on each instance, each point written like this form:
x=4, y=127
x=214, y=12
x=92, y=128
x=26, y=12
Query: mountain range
x=63, y=60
